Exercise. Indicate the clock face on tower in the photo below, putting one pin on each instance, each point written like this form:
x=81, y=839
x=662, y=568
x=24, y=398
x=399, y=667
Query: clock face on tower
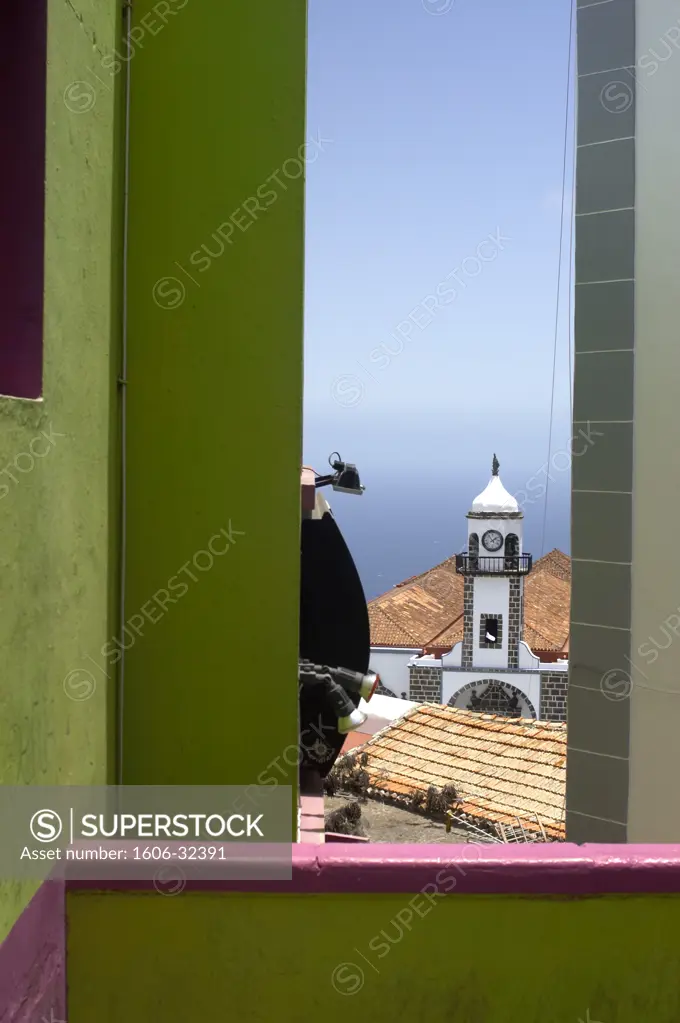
x=492, y=540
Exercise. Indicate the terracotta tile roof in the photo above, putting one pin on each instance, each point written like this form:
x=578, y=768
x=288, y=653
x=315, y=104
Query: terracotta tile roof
x=546, y=611
x=502, y=770
x=556, y=563
x=427, y=609
x=418, y=608
x=385, y=631
x=409, y=615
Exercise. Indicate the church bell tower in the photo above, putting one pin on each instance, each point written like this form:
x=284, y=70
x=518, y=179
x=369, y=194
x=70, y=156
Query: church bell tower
x=493, y=571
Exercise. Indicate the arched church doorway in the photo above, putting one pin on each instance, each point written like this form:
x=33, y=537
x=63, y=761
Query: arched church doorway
x=491, y=696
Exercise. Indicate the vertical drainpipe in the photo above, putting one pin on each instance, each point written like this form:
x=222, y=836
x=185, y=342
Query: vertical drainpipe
x=127, y=15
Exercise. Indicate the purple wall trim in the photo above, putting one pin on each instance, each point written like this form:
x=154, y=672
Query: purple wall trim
x=510, y=870
x=23, y=29
x=33, y=961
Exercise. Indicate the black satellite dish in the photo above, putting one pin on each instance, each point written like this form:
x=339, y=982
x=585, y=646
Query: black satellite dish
x=334, y=631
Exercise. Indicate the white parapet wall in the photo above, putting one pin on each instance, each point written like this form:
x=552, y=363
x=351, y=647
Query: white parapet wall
x=392, y=664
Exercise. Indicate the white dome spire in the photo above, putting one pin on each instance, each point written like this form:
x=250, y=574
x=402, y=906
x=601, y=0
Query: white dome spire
x=495, y=498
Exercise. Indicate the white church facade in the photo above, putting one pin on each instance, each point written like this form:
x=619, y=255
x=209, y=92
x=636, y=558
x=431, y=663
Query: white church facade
x=491, y=668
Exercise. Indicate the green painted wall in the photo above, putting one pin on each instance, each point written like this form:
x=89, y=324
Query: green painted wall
x=56, y=527
x=214, y=390
x=470, y=959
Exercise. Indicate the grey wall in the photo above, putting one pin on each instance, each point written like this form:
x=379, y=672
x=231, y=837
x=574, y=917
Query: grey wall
x=654, y=807
x=602, y=477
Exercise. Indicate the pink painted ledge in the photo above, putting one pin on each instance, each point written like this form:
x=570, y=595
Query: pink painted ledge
x=311, y=809
x=568, y=870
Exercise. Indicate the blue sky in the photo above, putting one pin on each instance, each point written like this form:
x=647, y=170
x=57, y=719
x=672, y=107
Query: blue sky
x=446, y=129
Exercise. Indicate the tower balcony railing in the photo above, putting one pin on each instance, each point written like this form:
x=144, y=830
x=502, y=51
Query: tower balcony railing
x=514, y=564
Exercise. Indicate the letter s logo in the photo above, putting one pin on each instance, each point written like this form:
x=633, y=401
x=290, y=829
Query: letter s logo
x=46, y=826
x=617, y=97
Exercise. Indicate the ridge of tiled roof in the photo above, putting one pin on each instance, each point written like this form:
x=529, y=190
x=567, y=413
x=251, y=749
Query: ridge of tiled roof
x=503, y=770
x=415, y=619
x=556, y=562
x=447, y=563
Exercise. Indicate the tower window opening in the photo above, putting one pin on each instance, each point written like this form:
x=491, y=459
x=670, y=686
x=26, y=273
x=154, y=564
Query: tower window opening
x=512, y=552
x=473, y=551
x=491, y=632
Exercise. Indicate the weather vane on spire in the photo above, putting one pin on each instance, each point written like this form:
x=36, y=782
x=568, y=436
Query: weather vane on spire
x=495, y=466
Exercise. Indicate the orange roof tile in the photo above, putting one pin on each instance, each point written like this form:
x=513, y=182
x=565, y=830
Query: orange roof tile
x=547, y=600
x=503, y=770
x=427, y=609
x=385, y=631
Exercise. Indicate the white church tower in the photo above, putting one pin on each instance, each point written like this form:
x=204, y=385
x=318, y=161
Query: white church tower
x=492, y=669
x=493, y=571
